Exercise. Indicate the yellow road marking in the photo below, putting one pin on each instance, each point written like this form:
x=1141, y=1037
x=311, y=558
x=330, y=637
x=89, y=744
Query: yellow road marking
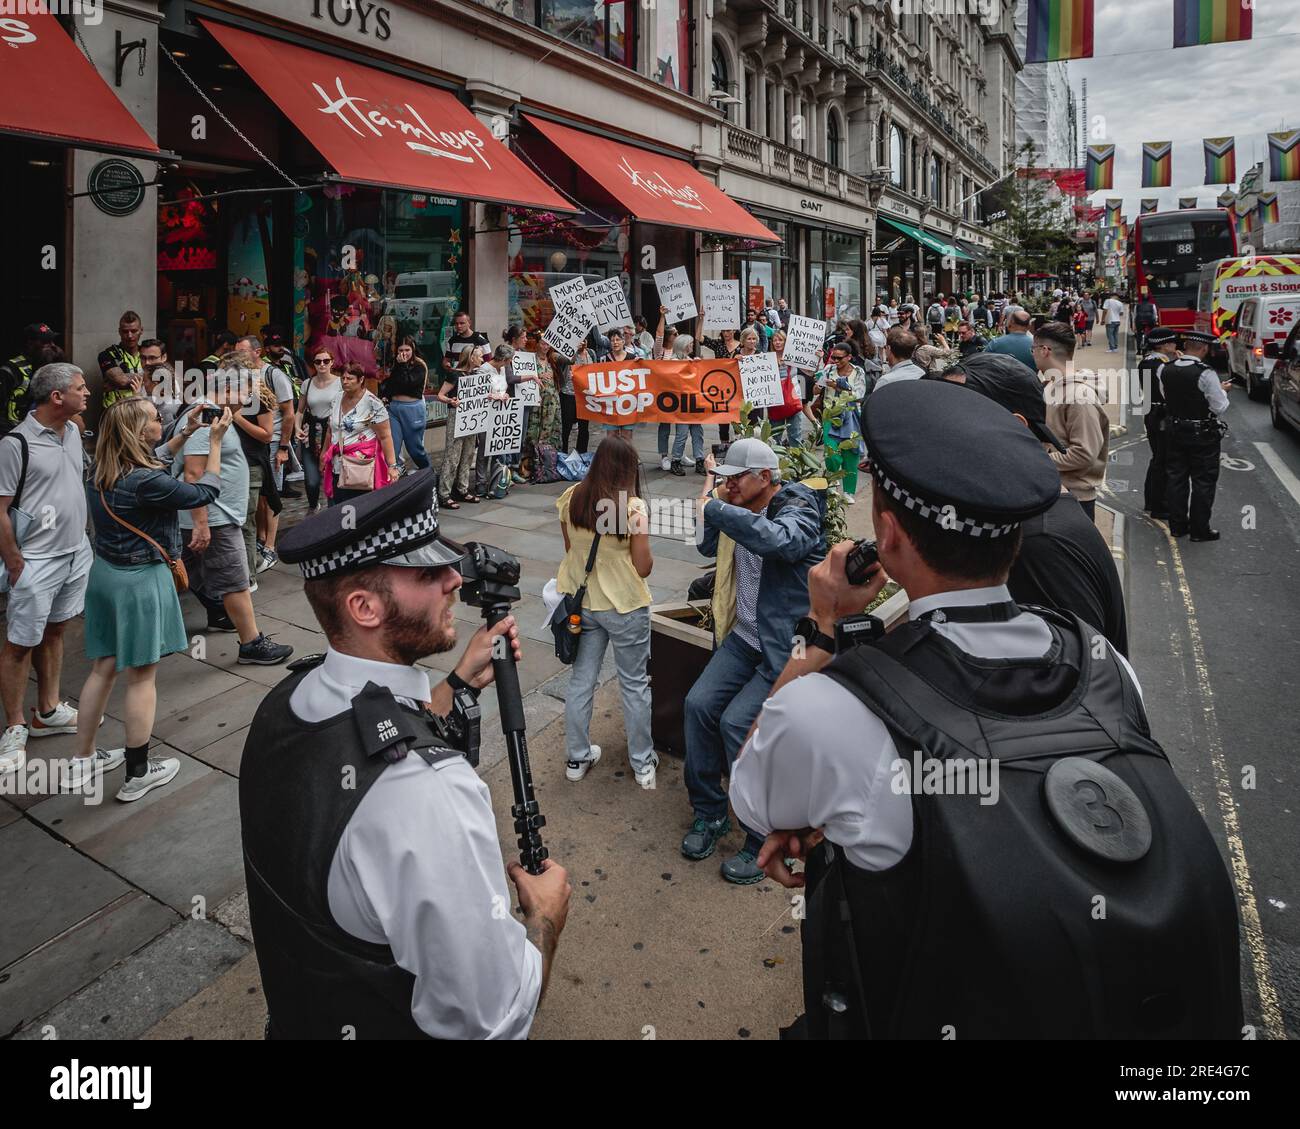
x=1228, y=811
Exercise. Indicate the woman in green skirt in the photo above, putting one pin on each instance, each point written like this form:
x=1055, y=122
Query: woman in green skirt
x=133, y=612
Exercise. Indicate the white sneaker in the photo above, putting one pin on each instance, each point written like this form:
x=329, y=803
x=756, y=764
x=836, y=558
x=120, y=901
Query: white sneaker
x=76, y=771
x=13, y=749
x=576, y=770
x=850, y=500
x=61, y=719
x=252, y=584
x=646, y=777
x=159, y=773
x=665, y=463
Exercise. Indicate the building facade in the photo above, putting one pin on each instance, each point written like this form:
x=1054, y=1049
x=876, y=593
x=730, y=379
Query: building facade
x=855, y=137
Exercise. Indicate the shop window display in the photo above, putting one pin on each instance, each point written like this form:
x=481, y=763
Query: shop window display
x=545, y=249
x=373, y=266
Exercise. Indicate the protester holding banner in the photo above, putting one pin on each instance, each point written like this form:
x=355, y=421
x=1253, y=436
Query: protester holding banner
x=618, y=354
x=458, y=455
x=543, y=427
x=787, y=417
x=616, y=608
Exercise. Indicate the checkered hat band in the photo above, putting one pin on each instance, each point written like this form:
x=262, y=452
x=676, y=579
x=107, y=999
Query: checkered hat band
x=387, y=542
x=940, y=515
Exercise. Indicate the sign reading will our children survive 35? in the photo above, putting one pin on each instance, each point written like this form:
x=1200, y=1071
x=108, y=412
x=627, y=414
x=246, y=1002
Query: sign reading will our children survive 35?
x=659, y=391
x=472, y=411
x=674, y=288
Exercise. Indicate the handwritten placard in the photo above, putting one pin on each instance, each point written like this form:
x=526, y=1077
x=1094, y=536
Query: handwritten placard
x=610, y=304
x=528, y=391
x=803, y=341
x=473, y=407
x=567, y=329
x=572, y=295
x=505, y=431
x=674, y=288
x=761, y=379
x=721, y=303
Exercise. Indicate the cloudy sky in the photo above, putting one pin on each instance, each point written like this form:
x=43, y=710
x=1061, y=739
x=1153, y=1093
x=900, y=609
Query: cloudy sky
x=1147, y=91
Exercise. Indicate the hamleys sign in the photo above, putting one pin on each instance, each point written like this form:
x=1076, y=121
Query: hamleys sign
x=658, y=186
x=365, y=118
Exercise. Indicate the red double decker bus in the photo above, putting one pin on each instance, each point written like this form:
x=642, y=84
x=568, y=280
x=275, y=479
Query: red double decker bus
x=1169, y=249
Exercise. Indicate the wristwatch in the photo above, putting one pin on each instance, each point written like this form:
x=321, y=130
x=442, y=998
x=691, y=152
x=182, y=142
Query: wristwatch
x=456, y=682
x=813, y=636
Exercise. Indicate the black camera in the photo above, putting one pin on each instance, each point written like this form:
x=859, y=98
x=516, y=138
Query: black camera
x=861, y=562
x=209, y=415
x=490, y=576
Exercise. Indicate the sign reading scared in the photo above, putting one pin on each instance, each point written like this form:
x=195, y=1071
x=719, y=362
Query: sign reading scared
x=659, y=391
x=528, y=391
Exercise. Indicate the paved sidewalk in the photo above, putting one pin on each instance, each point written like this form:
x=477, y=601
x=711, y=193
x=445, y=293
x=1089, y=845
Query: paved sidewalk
x=121, y=920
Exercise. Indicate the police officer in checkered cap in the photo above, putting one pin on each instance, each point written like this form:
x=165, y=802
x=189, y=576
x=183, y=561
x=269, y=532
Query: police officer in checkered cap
x=377, y=892
x=964, y=788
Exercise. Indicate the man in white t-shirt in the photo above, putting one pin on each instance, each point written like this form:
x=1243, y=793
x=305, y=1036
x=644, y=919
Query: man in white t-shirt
x=1113, y=308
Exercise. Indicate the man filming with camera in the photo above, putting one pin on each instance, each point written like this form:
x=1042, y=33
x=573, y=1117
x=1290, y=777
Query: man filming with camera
x=377, y=894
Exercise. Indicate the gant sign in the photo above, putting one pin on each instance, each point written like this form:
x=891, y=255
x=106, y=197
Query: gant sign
x=456, y=145
x=657, y=185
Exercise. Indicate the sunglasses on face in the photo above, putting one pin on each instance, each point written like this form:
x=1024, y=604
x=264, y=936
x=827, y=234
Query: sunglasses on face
x=324, y=360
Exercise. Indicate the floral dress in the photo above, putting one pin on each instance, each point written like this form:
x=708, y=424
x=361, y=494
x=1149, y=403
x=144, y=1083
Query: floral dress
x=544, y=422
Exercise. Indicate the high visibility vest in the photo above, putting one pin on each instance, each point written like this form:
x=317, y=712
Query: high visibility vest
x=127, y=362
x=9, y=410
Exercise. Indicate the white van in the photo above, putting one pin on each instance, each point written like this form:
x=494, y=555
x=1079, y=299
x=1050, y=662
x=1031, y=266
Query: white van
x=1259, y=321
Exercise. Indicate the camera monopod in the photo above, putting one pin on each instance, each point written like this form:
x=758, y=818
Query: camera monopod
x=490, y=582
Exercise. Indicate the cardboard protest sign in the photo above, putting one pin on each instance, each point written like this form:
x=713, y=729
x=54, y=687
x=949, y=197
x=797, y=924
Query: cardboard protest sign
x=472, y=410
x=674, y=288
x=761, y=380
x=572, y=295
x=505, y=431
x=609, y=304
x=659, y=391
x=803, y=342
x=528, y=391
x=721, y=303
x=566, y=331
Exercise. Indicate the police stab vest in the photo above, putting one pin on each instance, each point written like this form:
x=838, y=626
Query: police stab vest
x=320, y=981
x=1149, y=367
x=1182, y=394
x=1088, y=901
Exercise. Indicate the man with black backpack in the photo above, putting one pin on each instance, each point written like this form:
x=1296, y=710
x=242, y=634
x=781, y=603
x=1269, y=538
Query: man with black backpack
x=996, y=845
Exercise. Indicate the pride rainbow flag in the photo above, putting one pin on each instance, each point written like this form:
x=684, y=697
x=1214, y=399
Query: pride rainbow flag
x=1186, y=203
x=1270, y=210
x=1220, y=160
x=1100, y=169
x=1114, y=212
x=1059, y=29
x=1150, y=204
x=1157, y=164
x=1227, y=200
x=1211, y=21
x=1284, y=155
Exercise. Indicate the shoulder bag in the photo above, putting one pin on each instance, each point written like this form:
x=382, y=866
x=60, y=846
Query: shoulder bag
x=567, y=633
x=179, y=575
x=20, y=520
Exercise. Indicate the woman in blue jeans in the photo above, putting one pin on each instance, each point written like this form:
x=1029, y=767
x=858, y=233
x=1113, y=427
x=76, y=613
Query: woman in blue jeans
x=404, y=393
x=617, y=605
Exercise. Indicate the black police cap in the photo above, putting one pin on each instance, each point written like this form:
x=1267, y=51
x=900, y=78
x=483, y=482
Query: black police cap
x=1005, y=380
x=1195, y=336
x=396, y=525
x=1156, y=337
x=958, y=460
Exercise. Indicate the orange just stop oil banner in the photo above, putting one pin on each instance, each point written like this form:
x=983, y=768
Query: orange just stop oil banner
x=632, y=391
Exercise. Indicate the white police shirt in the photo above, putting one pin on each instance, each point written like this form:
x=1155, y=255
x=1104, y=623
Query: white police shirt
x=819, y=758
x=419, y=869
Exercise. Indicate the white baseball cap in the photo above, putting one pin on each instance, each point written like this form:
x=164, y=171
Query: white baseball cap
x=748, y=454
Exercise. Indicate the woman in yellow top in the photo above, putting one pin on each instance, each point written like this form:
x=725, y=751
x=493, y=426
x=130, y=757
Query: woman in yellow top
x=617, y=606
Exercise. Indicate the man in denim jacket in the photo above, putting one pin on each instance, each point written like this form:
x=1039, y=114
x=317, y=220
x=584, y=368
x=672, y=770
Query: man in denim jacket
x=765, y=537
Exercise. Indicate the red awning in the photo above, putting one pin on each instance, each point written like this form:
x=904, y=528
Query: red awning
x=653, y=188
x=49, y=90
x=378, y=128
